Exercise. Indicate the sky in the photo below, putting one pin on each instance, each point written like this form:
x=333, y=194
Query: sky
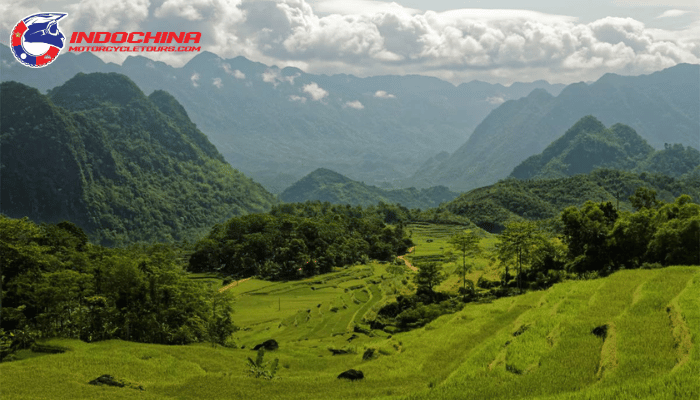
x=497, y=41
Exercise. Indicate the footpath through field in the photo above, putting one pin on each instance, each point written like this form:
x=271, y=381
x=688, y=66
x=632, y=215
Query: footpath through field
x=232, y=284
x=408, y=263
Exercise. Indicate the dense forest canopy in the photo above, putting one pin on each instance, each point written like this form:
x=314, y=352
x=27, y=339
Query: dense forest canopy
x=123, y=166
x=296, y=240
x=509, y=200
x=55, y=283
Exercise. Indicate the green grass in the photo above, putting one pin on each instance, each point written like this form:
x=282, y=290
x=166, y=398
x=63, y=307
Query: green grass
x=650, y=351
x=431, y=245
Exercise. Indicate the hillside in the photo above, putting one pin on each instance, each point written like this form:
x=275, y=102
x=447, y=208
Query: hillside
x=122, y=166
x=279, y=124
x=631, y=335
x=326, y=185
x=490, y=207
x=589, y=145
x=673, y=160
x=661, y=107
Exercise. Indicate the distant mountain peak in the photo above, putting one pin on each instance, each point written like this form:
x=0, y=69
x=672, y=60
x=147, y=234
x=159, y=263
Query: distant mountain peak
x=327, y=176
x=587, y=145
x=326, y=185
x=85, y=91
x=540, y=94
x=203, y=58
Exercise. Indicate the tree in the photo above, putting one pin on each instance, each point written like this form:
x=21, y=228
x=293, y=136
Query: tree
x=429, y=275
x=517, y=241
x=467, y=244
x=644, y=198
x=586, y=233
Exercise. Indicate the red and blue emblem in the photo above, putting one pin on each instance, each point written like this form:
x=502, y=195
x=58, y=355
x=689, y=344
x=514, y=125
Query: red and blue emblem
x=37, y=39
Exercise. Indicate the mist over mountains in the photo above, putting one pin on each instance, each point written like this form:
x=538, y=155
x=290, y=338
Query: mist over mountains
x=277, y=125
x=663, y=108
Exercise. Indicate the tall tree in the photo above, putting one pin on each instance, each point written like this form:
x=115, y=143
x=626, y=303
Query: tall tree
x=517, y=242
x=466, y=243
x=429, y=275
x=585, y=232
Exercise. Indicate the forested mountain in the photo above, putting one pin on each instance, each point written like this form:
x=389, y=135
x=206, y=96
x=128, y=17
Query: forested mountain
x=277, y=125
x=122, y=166
x=661, y=107
x=491, y=207
x=589, y=145
x=330, y=186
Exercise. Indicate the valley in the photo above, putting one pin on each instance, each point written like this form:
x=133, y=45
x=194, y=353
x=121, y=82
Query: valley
x=228, y=228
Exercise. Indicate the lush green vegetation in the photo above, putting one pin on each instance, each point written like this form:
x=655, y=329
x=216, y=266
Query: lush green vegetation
x=55, y=283
x=588, y=145
x=536, y=346
x=122, y=166
x=599, y=238
x=326, y=185
x=492, y=207
x=296, y=240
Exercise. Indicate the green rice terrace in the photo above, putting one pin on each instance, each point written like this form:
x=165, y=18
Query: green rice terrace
x=631, y=335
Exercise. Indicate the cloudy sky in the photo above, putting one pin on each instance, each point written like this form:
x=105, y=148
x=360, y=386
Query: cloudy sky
x=494, y=40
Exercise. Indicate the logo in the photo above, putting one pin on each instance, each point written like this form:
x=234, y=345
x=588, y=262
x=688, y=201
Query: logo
x=37, y=40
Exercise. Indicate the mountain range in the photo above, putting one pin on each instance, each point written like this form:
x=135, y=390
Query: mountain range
x=663, y=108
x=121, y=165
x=277, y=125
x=589, y=145
x=326, y=185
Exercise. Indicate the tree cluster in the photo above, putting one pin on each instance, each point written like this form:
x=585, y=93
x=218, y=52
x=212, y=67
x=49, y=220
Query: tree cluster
x=297, y=240
x=598, y=238
x=57, y=284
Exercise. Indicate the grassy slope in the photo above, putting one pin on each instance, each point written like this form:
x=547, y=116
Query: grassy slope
x=650, y=351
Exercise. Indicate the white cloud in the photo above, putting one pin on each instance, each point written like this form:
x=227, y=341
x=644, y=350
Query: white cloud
x=354, y=104
x=300, y=99
x=672, y=13
x=383, y=95
x=236, y=73
x=271, y=76
x=317, y=93
x=194, y=10
x=656, y=3
x=330, y=36
x=195, y=79
x=346, y=7
x=495, y=100
x=217, y=82
x=12, y=12
x=291, y=78
x=107, y=15
x=274, y=76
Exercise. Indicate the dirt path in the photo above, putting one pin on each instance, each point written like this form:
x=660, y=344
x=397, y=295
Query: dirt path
x=232, y=284
x=408, y=263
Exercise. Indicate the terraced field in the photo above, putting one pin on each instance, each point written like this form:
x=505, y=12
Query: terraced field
x=631, y=335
